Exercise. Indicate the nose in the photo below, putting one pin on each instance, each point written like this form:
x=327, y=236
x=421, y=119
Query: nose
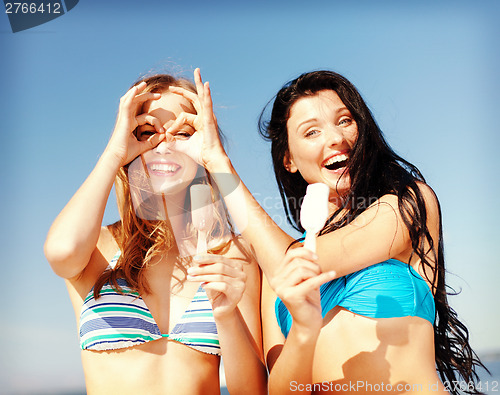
x=165, y=147
x=334, y=136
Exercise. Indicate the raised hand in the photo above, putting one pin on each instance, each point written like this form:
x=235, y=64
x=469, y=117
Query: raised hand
x=123, y=144
x=224, y=281
x=297, y=285
x=204, y=146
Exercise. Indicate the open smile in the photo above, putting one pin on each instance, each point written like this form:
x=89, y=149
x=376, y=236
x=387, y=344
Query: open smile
x=163, y=169
x=336, y=163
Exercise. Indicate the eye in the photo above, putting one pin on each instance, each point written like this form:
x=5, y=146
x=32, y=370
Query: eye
x=145, y=134
x=185, y=133
x=345, y=121
x=311, y=133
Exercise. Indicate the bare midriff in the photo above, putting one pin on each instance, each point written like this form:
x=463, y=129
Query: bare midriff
x=158, y=367
x=356, y=354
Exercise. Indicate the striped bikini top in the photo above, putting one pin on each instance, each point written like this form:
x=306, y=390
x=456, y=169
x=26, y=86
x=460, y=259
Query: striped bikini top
x=119, y=320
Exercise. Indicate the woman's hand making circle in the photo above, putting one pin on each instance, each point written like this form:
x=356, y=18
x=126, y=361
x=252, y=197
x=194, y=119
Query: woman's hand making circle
x=297, y=285
x=224, y=281
x=123, y=144
x=204, y=146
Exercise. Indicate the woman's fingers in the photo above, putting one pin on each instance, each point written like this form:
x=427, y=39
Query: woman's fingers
x=192, y=147
x=151, y=142
x=299, y=257
x=224, y=287
x=190, y=96
x=215, y=278
x=301, y=262
x=210, y=122
x=216, y=264
x=299, y=267
x=127, y=98
x=145, y=96
x=292, y=278
x=202, y=259
x=130, y=102
x=184, y=118
x=147, y=119
x=198, y=82
x=305, y=290
x=302, y=253
x=217, y=269
x=315, y=282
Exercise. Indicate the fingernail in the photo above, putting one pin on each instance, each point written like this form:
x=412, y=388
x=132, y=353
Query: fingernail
x=190, y=277
x=315, y=256
x=197, y=258
x=332, y=273
x=190, y=270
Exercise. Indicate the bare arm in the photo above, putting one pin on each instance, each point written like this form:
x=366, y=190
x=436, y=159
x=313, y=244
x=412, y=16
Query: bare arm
x=291, y=364
x=233, y=287
x=256, y=227
x=73, y=236
x=376, y=235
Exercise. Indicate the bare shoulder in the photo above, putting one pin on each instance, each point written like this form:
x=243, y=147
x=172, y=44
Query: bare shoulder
x=430, y=198
x=433, y=210
x=390, y=203
x=385, y=209
x=107, y=243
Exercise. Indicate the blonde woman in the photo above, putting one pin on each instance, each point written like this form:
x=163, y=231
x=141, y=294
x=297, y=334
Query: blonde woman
x=146, y=323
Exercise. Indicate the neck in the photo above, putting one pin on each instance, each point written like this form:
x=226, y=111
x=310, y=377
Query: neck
x=179, y=217
x=334, y=203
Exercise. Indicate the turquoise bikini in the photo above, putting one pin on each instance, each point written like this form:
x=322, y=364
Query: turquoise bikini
x=388, y=289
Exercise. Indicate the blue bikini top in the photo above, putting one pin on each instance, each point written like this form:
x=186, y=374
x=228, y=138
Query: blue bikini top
x=385, y=290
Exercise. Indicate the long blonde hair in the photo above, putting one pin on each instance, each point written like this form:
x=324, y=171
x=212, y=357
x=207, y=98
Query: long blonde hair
x=141, y=240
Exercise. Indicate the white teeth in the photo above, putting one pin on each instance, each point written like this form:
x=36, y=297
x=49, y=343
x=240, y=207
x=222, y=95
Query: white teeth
x=335, y=159
x=166, y=167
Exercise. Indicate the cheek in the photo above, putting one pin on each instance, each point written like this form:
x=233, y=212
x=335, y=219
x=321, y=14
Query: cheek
x=190, y=169
x=306, y=152
x=148, y=155
x=351, y=137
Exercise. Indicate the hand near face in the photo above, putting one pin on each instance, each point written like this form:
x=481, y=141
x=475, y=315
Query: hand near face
x=297, y=285
x=123, y=144
x=204, y=146
x=224, y=281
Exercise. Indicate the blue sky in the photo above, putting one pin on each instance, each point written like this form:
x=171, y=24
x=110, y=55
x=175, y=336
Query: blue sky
x=428, y=71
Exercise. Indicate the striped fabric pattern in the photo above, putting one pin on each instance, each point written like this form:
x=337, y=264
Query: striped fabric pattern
x=116, y=320
x=197, y=328
x=120, y=320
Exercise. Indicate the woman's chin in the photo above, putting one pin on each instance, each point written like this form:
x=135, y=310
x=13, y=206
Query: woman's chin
x=170, y=187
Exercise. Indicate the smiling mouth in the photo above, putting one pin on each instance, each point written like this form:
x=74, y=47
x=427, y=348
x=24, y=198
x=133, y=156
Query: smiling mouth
x=336, y=162
x=163, y=169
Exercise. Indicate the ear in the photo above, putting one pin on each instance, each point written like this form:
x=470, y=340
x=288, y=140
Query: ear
x=289, y=163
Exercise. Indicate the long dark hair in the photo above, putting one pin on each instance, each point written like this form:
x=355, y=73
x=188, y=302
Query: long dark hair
x=375, y=170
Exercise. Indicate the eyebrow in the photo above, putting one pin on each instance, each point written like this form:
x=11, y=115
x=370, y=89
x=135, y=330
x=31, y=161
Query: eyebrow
x=312, y=120
x=307, y=121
